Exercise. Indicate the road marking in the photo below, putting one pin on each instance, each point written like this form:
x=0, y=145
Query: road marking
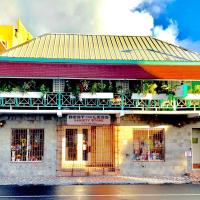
x=99, y=195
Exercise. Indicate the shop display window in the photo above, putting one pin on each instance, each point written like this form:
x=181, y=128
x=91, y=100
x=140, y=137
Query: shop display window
x=27, y=145
x=148, y=144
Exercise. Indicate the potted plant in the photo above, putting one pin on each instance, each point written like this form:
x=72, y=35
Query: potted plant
x=195, y=95
x=97, y=90
x=149, y=91
x=24, y=91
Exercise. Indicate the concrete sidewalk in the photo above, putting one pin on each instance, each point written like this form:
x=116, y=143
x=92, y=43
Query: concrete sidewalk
x=98, y=180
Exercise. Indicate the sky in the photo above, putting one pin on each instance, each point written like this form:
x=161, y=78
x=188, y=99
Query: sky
x=174, y=21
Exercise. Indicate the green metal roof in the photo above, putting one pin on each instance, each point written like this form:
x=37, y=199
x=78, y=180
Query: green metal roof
x=100, y=47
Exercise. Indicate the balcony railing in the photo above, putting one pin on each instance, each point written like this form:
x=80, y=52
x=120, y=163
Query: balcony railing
x=63, y=101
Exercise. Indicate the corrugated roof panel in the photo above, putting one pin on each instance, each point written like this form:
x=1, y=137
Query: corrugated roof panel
x=189, y=56
x=153, y=48
x=76, y=48
x=51, y=46
x=56, y=48
x=148, y=48
x=195, y=56
x=34, y=48
x=17, y=50
x=86, y=47
x=171, y=54
x=29, y=49
x=132, y=53
x=144, y=47
x=103, y=47
x=106, y=49
x=176, y=52
x=66, y=46
x=115, y=48
x=135, y=49
x=125, y=49
x=40, y=47
x=23, y=50
x=140, y=49
x=110, y=47
x=71, y=47
x=121, y=48
x=91, y=48
x=81, y=47
x=46, y=43
x=61, y=46
x=181, y=53
x=96, y=47
x=158, y=49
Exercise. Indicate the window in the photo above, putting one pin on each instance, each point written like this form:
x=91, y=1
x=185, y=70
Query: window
x=122, y=86
x=148, y=144
x=27, y=145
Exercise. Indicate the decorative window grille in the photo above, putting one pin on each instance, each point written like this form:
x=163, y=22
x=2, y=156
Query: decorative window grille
x=122, y=86
x=58, y=85
x=148, y=144
x=27, y=145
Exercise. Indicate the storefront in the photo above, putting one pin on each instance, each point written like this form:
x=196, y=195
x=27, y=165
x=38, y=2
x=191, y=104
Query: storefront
x=96, y=144
x=86, y=145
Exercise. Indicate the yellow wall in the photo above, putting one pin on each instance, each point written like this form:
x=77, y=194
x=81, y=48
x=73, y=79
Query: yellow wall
x=11, y=36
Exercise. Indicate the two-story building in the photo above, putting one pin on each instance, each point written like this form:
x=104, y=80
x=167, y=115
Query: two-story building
x=79, y=105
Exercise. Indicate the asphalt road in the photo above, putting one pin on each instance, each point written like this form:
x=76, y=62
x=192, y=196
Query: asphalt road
x=97, y=192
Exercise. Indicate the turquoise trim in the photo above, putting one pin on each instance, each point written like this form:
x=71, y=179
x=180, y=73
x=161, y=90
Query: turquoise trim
x=88, y=61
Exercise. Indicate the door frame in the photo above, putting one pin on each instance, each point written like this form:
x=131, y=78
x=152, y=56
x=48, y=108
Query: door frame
x=193, y=149
x=79, y=162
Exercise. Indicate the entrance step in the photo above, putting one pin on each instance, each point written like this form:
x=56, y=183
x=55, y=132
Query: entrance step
x=72, y=172
x=88, y=171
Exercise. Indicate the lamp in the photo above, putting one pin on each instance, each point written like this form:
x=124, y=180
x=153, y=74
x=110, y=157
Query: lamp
x=2, y=123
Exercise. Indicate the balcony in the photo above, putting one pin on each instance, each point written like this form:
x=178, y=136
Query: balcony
x=67, y=101
x=111, y=96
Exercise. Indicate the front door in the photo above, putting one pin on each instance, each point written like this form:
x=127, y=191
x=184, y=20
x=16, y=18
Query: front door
x=85, y=150
x=76, y=146
x=196, y=148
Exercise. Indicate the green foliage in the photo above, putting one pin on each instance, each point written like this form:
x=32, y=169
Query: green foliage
x=101, y=86
x=197, y=89
x=110, y=86
x=76, y=90
x=149, y=87
x=5, y=88
x=44, y=89
x=168, y=89
x=94, y=88
x=85, y=84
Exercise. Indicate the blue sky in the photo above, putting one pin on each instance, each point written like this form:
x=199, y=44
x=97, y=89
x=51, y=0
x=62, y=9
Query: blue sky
x=175, y=21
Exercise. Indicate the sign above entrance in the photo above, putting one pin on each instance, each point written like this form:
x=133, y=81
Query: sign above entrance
x=88, y=119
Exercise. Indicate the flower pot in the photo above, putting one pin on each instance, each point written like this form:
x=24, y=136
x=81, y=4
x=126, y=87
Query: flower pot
x=21, y=94
x=193, y=97
x=148, y=96
x=98, y=95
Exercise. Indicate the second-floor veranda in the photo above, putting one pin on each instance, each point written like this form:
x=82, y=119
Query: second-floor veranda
x=98, y=95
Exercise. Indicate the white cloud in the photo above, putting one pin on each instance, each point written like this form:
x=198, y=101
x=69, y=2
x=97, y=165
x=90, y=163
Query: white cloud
x=168, y=34
x=116, y=17
x=154, y=7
